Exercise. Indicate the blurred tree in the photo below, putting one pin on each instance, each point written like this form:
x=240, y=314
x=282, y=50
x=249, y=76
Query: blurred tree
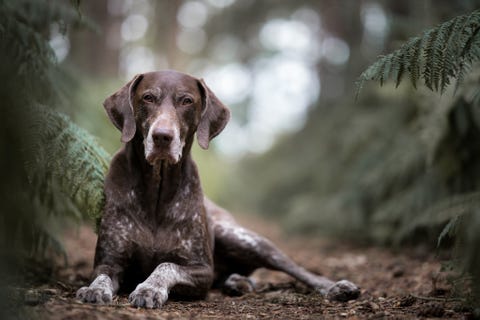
x=96, y=51
x=165, y=31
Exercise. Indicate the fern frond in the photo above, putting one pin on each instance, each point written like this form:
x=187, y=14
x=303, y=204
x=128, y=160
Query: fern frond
x=68, y=156
x=38, y=188
x=449, y=229
x=451, y=29
x=397, y=68
x=438, y=55
x=445, y=212
x=430, y=51
x=414, y=56
x=469, y=48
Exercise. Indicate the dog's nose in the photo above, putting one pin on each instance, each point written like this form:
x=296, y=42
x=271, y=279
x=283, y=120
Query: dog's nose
x=162, y=137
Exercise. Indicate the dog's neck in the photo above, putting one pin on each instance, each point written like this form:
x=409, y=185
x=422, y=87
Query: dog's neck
x=161, y=172
x=162, y=180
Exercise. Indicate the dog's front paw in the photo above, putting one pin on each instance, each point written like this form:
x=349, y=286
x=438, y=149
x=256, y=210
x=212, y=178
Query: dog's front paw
x=343, y=290
x=237, y=285
x=100, y=291
x=148, y=296
x=95, y=294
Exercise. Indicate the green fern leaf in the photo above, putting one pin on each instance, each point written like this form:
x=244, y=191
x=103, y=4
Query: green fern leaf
x=399, y=67
x=467, y=46
x=69, y=160
x=370, y=74
x=44, y=188
x=451, y=30
x=430, y=72
x=449, y=229
x=438, y=55
x=415, y=49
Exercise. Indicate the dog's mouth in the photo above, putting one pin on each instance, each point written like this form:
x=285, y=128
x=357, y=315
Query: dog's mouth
x=156, y=156
x=171, y=153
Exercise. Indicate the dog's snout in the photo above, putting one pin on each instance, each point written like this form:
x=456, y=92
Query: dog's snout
x=162, y=137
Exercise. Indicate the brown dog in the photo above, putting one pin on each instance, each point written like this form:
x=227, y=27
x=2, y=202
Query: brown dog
x=158, y=233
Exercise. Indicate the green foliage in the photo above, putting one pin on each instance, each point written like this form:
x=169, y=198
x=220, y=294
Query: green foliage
x=463, y=230
x=395, y=168
x=24, y=30
x=52, y=170
x=68, y=160
x=439, y=55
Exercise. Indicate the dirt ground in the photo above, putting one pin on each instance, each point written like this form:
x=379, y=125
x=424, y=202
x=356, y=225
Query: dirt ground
x=395, y=285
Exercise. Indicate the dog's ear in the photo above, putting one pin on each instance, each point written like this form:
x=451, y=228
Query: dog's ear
x=215, y=116
x=120, y=109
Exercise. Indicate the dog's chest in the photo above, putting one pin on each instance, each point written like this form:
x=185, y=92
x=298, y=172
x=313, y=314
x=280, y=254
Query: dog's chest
x=174, y=230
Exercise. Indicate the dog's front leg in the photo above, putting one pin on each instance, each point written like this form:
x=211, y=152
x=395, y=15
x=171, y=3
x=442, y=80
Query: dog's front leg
x=153, y=292
x=111, y=255
x=101, y=290
x=108, y=270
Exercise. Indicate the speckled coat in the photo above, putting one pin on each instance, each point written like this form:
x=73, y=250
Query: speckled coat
x=159, y=235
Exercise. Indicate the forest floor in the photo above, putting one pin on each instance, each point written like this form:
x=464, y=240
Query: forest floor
x=401, y=284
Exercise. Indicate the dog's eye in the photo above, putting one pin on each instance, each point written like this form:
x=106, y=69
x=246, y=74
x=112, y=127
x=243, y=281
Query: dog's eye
x=148, y=98
x=187, y=101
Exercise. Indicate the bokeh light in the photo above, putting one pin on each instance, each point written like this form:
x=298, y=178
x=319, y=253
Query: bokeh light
x=134, y=27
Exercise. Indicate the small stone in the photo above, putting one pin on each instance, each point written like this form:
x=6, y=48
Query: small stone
x=374, y=306
x=398, y=272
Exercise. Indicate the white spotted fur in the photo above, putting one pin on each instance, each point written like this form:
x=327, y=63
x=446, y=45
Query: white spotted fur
x=153, y=292
x=99, y=291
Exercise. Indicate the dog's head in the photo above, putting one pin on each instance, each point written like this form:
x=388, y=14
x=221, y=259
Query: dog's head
x=166, y=108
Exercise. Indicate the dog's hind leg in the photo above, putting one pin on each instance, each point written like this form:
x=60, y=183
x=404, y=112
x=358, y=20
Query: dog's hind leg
x=239, y=251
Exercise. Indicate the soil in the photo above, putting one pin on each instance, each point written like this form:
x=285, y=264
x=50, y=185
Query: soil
x=401, y=284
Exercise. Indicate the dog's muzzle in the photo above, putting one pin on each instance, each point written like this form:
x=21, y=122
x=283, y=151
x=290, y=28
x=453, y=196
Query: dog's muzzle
x=163, y=142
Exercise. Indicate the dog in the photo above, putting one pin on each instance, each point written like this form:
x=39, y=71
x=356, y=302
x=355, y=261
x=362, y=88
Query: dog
x=159, y=235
